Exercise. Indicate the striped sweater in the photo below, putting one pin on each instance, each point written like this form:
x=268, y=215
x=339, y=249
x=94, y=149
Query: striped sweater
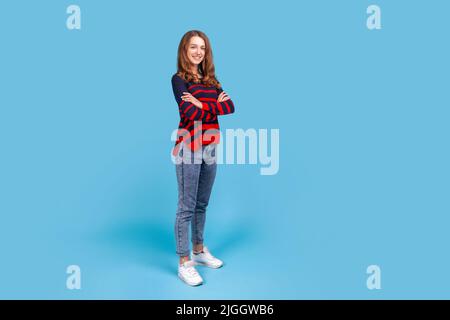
x=198, y=126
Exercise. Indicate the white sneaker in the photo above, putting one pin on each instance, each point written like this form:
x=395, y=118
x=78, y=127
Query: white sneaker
x=189, y=274
x=206, y=258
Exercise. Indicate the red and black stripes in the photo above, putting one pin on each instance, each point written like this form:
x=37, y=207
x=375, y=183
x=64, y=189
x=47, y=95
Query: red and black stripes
x=199, y=126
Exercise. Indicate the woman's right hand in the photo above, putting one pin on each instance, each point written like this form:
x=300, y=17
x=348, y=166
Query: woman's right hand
x=187, y=96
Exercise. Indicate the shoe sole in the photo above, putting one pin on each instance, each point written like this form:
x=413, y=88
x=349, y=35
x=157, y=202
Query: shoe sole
x=190, y=284
x=208, y=265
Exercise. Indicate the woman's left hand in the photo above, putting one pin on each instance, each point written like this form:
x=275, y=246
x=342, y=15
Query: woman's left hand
x=190, y=98
x=223, y=97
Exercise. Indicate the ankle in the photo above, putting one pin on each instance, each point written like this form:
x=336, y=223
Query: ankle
x=198, y=252
x=198, y=249
x=183, y=260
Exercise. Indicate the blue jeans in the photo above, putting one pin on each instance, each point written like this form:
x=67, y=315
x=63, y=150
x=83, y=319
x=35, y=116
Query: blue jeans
x=195, y=175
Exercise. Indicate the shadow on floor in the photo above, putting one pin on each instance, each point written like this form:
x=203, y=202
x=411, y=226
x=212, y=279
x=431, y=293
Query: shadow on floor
x=152, y=243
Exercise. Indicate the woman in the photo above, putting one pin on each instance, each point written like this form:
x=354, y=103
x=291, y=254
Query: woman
x=200, y=100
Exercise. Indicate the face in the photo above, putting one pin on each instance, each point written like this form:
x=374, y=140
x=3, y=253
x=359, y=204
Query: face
x=196, y=50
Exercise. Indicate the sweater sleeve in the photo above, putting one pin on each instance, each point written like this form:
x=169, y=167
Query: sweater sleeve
x=185, y=107
x=219, y=108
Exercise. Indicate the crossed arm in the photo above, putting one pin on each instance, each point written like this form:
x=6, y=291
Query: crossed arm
x=200, y=110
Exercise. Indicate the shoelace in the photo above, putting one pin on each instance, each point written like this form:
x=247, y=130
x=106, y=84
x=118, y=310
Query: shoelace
x=191, y=270
x=209, y=256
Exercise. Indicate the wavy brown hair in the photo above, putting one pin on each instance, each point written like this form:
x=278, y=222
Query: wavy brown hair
x=206, y=67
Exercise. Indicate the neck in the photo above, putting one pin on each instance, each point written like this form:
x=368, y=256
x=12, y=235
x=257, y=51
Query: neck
x=195, y=71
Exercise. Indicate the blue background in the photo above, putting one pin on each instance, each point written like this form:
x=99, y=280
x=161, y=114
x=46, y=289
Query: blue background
x=86, y=176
